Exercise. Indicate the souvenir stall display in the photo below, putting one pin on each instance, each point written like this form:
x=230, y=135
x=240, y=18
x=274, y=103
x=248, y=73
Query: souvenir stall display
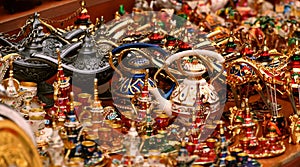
x=174, y=83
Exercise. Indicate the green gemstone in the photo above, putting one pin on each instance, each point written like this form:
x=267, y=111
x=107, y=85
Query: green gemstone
x=171, y=38
x=161, y=24
x=231, y=44
x=296, y=57
x=291, y=41
x=183, y=16
x=295, y=74
x=122, y=10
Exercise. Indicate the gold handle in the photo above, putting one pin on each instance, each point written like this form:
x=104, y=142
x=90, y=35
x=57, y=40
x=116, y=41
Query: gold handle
x=169, y=75
x=110, y=61
x=13, y=55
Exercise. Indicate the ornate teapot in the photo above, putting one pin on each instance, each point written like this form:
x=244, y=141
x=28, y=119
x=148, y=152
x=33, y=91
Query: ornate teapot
x=36, y=41
x=11, y=85
x=83, y=60
x=38, y=50
x=133, y=68
x=196, y=63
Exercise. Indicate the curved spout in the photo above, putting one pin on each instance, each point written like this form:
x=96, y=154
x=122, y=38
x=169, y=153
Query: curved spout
x=69, y=49
x=53, y=62
x=118, y=26
x=74, y=33
x=164, y=104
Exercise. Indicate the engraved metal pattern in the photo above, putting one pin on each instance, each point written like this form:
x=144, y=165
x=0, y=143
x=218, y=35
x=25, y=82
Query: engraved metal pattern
x=16, y=149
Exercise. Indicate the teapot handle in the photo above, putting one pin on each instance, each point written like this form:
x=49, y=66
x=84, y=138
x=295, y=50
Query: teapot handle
x=10, y=56
x=203, y=54
x=135, y=46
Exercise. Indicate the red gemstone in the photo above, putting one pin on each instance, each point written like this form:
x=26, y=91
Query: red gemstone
x=184, y=45
x=170, y=43
x=247, y=51
x=294, y=64
x=84, y=17
x=265, y=54
x=156, y=37
x=229, y=50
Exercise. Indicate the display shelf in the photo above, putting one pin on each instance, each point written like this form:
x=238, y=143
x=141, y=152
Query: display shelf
x=60, y=9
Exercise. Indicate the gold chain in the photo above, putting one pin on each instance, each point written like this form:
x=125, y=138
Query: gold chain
x=13, y=37
x=73, y=15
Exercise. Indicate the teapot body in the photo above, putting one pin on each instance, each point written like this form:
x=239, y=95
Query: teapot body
x=134, y=63
x=126, y=88
x=193, y=66
x=184, y=96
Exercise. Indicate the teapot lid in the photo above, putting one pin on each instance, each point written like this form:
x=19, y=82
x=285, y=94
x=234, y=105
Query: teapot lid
x=138, y=62
x=193, y=64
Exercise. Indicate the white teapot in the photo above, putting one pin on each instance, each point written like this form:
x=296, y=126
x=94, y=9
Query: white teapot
x=195, y=64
